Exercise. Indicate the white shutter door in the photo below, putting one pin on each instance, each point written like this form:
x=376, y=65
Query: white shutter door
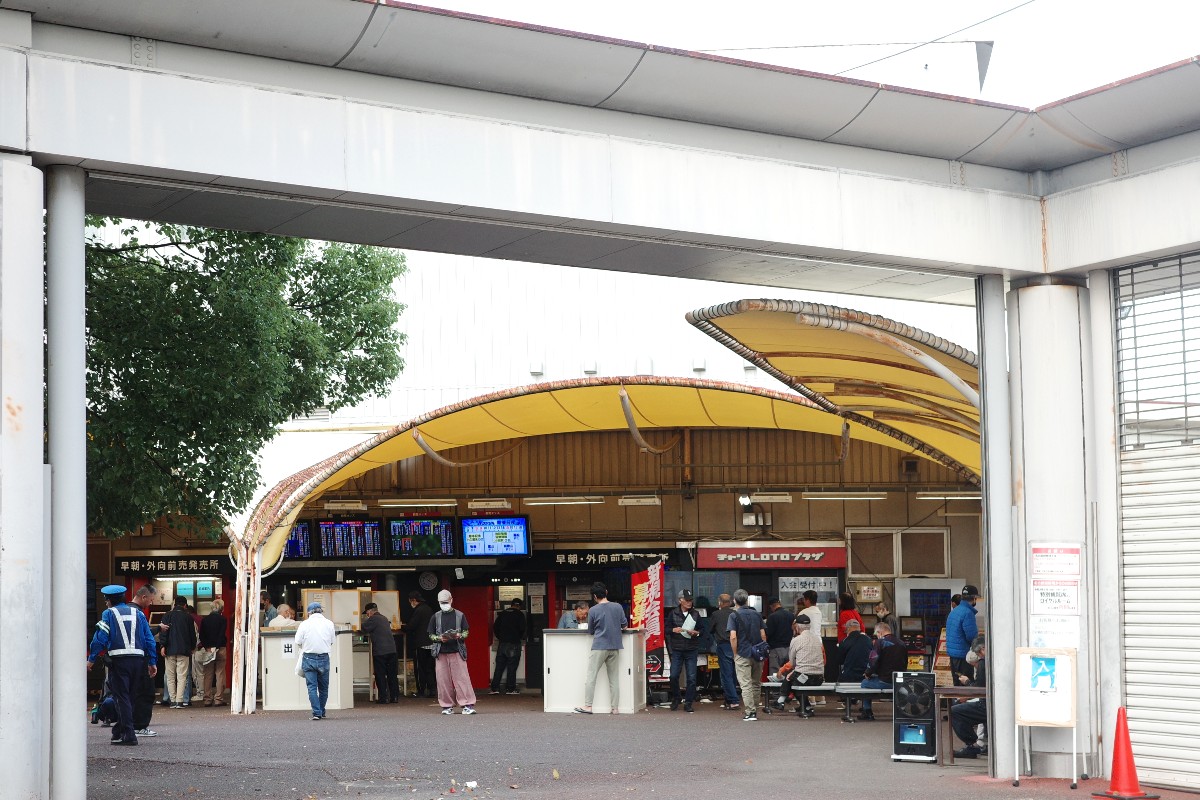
x=1160, y=556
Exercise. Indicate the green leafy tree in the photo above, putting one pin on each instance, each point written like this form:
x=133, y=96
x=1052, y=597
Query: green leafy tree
x=201, y=342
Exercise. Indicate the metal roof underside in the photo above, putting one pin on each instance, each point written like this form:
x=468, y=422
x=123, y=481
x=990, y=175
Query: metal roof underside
x=591, y=404
x=868, y=369
x=427, y=44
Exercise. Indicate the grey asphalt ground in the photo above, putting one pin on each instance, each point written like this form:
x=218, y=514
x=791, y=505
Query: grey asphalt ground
x=511, y=749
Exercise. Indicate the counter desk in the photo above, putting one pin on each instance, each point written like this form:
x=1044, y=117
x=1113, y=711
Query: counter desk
x=284, y=690
x=566, y=655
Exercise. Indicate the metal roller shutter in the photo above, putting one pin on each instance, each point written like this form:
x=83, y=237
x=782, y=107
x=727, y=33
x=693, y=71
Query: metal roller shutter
x=1160, y=556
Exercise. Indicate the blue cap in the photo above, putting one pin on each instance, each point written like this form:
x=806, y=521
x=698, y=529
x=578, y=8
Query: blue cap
x=314, y=606
x=113, y=590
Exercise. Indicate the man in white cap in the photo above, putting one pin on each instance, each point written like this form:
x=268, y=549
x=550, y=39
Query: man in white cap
x=314, y=639
x=126, y=635
x=448, y=631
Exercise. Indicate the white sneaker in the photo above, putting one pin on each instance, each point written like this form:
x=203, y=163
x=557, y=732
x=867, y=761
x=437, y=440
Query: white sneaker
x=146, y=732
x=468, y=710
x=447, y=711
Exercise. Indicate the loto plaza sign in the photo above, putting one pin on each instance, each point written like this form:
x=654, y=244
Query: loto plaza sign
x=770, y=555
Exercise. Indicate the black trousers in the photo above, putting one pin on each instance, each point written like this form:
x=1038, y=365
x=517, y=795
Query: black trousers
x=385, y=677
x=959, y=666
x=143, y=698
x=965, y=716
x=426, y=682
x=123, y=672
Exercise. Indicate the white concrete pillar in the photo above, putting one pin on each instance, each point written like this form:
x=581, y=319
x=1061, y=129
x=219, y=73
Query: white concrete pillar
x=67, y=415
x=1104, y=489
x=1049, y=391
x=24, y=647
x=999, y=587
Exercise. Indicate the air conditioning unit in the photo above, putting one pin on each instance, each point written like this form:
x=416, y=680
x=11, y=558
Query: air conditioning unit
x=345, y=505
x=489, y=503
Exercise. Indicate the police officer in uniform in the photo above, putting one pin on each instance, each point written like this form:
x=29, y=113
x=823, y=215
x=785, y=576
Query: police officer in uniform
x=124, y=632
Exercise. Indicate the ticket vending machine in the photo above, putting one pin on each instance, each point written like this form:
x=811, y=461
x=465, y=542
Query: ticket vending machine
x=914, y=734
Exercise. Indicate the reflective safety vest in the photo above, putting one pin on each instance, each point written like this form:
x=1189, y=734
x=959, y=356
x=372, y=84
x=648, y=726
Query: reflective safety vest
x=127, y=625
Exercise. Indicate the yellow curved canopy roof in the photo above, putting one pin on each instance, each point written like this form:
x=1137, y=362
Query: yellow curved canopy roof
x=866, y=368
x=591, y=404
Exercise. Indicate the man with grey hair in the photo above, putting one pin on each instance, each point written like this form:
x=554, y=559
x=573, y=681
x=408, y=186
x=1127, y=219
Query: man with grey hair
x=746, y=628
x=214, y=636
x=575, y=617
x=720, y=632
x=315, y=640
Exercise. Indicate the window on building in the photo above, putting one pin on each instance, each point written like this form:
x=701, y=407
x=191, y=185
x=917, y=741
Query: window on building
x=898, y=552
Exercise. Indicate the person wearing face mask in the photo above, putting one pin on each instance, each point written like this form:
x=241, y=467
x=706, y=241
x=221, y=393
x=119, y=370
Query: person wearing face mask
x=961, y=630
x=966, y=716
x=448, y=631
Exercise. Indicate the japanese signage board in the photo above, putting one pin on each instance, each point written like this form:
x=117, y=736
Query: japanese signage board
x=601, y=558
x=1055, y=573
x=771, y=555
x=166, y=566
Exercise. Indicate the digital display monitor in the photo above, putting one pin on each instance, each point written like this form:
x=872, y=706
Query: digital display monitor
x=299, y=542
x=912, y=625
x=421, y=537
x=495, y=536
x=204, y=590
x=185, y=589
x=351, y=538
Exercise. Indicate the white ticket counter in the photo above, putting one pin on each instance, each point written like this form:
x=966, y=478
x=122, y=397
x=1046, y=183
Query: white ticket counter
x=284, y=690
x=566, y=663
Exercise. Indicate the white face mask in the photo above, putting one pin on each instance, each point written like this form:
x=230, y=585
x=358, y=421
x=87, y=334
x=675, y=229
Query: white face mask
x=445, y=606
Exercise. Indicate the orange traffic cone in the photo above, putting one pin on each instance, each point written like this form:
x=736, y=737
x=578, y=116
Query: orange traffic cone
x=1124, y=783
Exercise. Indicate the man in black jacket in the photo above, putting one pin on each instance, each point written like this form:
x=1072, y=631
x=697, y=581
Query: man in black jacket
x=214, y=636
x=779, y=634
x=179, y=641
x=965, y=716
x=509, y=629
x=418, y=643
x=888, y=657
x=384, y=655
x=683, y=632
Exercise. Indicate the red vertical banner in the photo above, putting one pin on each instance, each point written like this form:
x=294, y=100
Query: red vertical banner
x=646, y=610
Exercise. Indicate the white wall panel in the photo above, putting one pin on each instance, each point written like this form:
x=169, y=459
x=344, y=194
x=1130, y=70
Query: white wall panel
x=136, y=117
x=1119, y=221
x=12, y=99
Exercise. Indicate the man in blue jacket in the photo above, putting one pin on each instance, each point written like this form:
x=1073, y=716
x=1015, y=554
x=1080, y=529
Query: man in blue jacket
x=125, y=634
x=961, y=630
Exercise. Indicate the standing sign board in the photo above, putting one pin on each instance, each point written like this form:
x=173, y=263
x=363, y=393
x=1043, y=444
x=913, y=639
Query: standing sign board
x=1046, y=690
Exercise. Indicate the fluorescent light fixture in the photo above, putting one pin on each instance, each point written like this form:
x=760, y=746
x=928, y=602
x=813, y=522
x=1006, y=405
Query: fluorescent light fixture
x=942, y=513
x=489, y=502
x=639, y=500
x=417, y=502
x=345, y=505
x=969, y=495
x=771, y=497
x=577, y=500
x=843, y=495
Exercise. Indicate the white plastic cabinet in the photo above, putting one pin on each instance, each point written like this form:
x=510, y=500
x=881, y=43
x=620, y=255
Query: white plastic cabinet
x=565, y=670
x=283, y=690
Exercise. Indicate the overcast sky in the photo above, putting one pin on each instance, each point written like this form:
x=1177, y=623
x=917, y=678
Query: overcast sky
x=1045, y=50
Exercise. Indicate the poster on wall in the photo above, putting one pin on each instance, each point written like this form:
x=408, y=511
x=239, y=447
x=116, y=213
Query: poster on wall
x=1045, y=685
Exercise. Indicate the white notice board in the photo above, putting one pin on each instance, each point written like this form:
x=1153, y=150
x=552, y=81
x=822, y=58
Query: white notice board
x=1046, y=686
x=389, y=605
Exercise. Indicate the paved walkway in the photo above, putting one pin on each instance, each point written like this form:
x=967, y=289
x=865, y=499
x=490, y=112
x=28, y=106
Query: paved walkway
x=511, y=749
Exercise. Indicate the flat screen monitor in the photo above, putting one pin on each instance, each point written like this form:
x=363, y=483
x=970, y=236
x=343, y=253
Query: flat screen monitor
x=421, y=537
x=911, y=626
x=185, y=589
x=350, y=538
x=299, y=542
x=495, y=536
x=204, y=590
